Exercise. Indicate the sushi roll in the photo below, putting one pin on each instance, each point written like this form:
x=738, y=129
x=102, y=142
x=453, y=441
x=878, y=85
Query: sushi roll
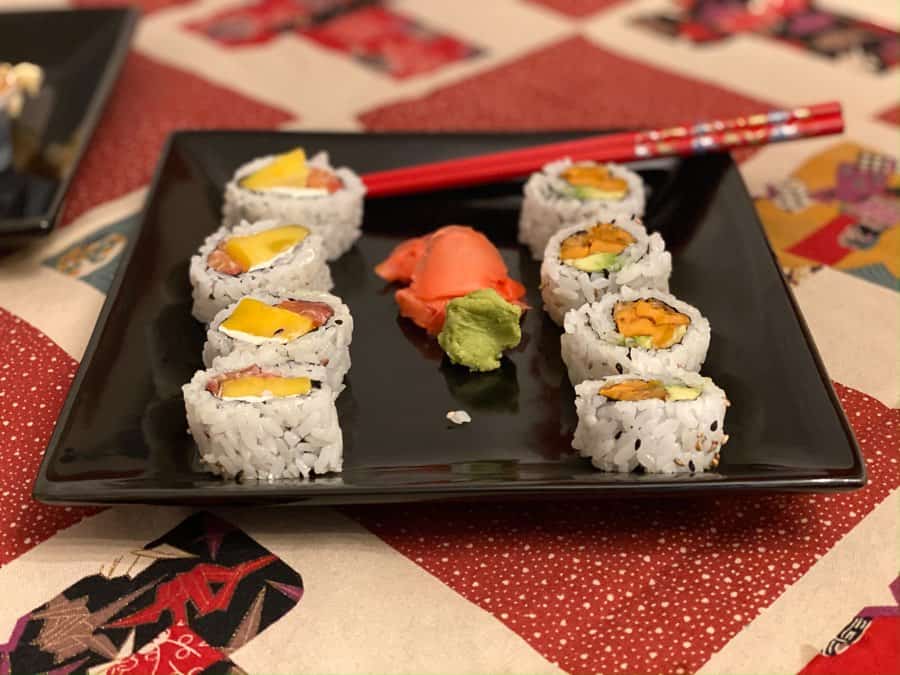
x=262, y=256
x=633, y=331
x=327, y=200
x=563, y=193
x=668, y=423
x=306, y=327
x=264, y=422
x=584, y=261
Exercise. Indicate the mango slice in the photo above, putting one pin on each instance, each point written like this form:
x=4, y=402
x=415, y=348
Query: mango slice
x=255, y=250
x=287, y=170
x=257, y=386
x=256, y=318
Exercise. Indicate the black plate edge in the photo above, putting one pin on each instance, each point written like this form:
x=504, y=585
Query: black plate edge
x=41, y=483
x=50, y=492
x=859, y=464
x=498, y=492
x=25, y=228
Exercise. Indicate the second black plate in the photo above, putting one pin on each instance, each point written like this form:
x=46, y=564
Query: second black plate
x=122, y=434
x=81, y=52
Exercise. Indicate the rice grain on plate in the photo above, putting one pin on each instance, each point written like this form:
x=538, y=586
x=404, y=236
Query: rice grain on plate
x=264, y=423
x=263, y=256
x=665, y=423
x=633, y=331
x=562, y=193
x=586, y=260
x=304, y=327
x=336, y=216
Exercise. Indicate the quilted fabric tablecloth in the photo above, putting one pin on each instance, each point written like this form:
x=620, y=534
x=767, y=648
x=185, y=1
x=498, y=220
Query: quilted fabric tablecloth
x=775, y=584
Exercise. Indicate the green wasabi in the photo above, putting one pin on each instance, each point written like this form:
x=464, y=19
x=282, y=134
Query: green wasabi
x=478, y=327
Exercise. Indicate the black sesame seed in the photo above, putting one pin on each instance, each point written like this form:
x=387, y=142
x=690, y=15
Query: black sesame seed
x=619, y=368
x=339, y=322
x=714, y=425
x=279, y=330
x=637, y=444
x=613, y=221
x=618, y=434
x=606, y=274
x=632, y=216
x=628, y=355
x=691, y=465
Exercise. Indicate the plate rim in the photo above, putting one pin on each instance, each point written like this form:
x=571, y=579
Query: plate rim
x=44, y=224
x=47, y=491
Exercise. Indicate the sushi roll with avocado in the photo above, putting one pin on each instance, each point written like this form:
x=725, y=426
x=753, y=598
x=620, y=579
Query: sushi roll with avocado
x=585, y=261
x=663, y=423
x=263, y=256
x=264, y=422
x=633, y=331
x=563, y=193
x=304, y=327
x=290, y=189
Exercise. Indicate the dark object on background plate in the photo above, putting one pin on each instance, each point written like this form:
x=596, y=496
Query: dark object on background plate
x=81, y=53
x=787, y=429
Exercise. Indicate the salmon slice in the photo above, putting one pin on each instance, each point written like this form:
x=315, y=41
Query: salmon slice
x=214, y=384
x=221, y=262
x=317, y=312
x=321, y=178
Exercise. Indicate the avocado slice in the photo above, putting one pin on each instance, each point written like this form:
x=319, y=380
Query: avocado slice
x=642, y=341
x=681, y=393
x=586, y=192
x=595, y=262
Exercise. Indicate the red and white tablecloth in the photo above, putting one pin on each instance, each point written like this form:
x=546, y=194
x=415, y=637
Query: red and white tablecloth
x=774, y=584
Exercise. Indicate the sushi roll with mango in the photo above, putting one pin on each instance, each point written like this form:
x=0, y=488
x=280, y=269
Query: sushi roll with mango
x=263, y=256
x=291, y=189
x=264, y=422
x=305, y=327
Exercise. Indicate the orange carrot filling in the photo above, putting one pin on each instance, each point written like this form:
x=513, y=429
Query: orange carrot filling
x=595, y=182
x=601, y=238
x=664, y=325
x=635, y=390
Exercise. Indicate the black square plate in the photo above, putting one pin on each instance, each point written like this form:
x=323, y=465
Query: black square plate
x=122, y=433
x=81, y=52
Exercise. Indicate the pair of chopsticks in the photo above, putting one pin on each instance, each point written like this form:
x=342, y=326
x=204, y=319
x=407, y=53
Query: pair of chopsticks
x=683, y=140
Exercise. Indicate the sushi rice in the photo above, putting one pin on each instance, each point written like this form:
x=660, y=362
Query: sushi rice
x=327, y=346
x=302, y=267
x=335, y=217
x=265, y=439
x=671, y=436
x=643, y=264
x=549, y=203
x=592, y=347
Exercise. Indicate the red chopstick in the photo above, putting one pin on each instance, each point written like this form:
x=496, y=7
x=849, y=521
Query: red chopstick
x=683, y=140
